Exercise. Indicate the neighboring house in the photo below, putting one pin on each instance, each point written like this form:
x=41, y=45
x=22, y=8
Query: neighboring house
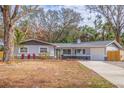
x=96, y=50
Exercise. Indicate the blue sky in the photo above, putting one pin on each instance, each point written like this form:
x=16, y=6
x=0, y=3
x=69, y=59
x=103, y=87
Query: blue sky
x=81, y=9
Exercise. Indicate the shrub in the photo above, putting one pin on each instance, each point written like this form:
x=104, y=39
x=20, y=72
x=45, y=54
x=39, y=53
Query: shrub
x=1, y=48
x=44, y=55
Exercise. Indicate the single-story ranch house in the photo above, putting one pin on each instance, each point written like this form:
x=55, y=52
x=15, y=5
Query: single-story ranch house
x=96, y=50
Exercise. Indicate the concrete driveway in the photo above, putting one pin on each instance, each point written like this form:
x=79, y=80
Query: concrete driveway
x=110, y=72
x=120, y=64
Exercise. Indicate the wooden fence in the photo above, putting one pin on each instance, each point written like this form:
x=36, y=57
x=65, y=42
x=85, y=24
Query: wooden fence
x=1, y=55
x=115, y=55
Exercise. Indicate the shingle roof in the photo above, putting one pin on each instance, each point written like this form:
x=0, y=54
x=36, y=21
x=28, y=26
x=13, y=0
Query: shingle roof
x=71, y=45
x=84, y=44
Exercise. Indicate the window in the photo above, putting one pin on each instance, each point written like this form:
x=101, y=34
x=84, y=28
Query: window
x=78, y=51
x=43, y=50
x=23, y=49
x=66, y=51
x=84, y=51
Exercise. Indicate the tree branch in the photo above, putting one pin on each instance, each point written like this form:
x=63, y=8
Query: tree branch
x=1, y=8
x=15, y=12
x=24, y=13
x=112, y=16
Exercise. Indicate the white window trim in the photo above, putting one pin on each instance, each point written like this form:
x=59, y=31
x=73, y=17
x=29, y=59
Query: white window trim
x=42, y=47
x=78, y=53
x=85, y=52
x=22, y=47
x=67, y=54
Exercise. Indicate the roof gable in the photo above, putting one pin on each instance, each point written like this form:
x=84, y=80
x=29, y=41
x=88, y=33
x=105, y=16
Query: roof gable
x=115, y=44
x=35, y=42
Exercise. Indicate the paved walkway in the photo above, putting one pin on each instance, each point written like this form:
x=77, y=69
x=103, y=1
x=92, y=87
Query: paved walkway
x=110, y=72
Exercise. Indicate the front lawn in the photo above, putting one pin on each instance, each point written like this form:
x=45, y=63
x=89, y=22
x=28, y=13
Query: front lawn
x=50, y=74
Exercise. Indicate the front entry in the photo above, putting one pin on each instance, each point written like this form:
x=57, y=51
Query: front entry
x=58, y=53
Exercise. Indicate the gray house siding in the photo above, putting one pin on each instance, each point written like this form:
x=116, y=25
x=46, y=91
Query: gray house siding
x=85, y=50
x=33, y=47
x=74, y=54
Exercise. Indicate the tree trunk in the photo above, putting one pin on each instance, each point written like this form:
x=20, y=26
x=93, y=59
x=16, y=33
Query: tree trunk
x=118, y=37
x=8, y=45
x=103, y=35
x=8, y=37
